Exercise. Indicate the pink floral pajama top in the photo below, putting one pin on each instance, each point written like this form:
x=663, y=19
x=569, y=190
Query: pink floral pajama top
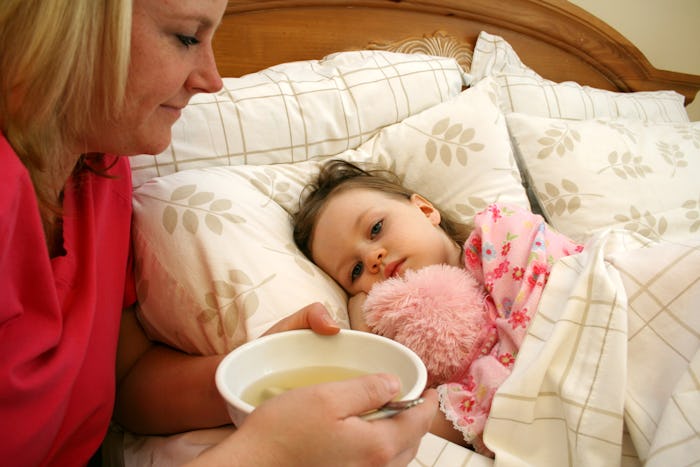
x=511, y=251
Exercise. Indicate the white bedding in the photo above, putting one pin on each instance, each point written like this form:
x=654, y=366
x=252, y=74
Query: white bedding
x=613, y=348
x=609, y=373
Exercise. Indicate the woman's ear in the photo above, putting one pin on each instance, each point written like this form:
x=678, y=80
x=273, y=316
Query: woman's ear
x=426, y=207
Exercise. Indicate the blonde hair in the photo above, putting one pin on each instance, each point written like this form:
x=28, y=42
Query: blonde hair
x=68, y=61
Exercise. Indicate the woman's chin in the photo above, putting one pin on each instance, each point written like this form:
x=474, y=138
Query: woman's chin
x=154, y=144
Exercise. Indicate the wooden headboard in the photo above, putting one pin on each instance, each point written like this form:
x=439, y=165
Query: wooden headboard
x=556, y=38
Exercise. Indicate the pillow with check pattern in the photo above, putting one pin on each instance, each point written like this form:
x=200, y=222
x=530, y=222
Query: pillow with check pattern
x=296, y=111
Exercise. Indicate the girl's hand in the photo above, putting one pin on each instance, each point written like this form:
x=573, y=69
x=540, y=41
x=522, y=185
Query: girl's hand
x=313, y=316
x=318, y=425
x=357, y=318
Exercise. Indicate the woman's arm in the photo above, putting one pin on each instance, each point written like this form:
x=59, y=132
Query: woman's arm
x=162, y=390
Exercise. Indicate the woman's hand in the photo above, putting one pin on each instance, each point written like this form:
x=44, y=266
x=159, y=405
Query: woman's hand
x=319, y=425
x=314, y=317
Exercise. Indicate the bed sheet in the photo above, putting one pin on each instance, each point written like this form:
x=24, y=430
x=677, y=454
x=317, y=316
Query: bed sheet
x=608, y=373
x=174, y=450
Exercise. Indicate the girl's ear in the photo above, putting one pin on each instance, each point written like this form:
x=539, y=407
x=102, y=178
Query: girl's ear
x=426, y=207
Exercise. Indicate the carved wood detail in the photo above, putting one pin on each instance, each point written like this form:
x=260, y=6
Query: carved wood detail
x=437, y=43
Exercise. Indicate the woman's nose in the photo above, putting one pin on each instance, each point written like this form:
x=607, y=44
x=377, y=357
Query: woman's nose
x=206, y=77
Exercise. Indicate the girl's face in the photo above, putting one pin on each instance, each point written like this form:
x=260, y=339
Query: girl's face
x=171, y=60
x=364, y=236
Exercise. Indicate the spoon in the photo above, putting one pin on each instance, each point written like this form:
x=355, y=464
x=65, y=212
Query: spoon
x=391, y=408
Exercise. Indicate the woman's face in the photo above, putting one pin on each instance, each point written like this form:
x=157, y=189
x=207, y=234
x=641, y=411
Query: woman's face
x=364, y=236
x=171, y=60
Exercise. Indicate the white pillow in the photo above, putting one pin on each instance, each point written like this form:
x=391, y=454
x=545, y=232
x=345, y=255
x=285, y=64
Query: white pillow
x=523, y=90
x=294, y=111
x=593, y=174
x=216, y=261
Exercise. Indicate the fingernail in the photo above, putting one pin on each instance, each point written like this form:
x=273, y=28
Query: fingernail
x=393, y=384
x=329, y=321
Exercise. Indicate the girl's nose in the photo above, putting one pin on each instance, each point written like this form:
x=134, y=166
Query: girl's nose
x=374, y=259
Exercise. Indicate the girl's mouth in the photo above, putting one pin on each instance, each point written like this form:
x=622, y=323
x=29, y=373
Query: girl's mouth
x=393, y=269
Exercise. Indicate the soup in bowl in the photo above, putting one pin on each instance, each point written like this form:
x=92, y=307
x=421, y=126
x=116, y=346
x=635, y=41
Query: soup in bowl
x=265, y=367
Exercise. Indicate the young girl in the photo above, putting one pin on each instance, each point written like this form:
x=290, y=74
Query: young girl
x=363, y=228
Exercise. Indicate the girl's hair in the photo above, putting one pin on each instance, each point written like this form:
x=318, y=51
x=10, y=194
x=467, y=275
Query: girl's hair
x=68, y=62
x=337, y=176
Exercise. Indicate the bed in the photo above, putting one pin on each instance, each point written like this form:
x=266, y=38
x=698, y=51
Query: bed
x=525, y=102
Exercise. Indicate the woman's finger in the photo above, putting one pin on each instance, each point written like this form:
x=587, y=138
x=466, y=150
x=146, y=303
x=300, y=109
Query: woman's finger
x=313, y=316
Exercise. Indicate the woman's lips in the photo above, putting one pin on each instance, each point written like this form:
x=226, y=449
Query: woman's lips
x=392, y=269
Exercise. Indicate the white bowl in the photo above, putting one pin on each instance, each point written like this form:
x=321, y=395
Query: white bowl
x=361, y=351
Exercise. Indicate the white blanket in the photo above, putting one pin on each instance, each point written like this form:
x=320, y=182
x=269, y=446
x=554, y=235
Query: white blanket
x=614, y=347
x=608, y=375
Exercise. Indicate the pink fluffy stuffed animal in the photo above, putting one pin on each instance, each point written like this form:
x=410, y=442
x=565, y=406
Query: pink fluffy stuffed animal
x=439, y=312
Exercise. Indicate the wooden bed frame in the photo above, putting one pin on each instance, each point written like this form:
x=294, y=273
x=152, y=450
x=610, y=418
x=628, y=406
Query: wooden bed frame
x=554, y=37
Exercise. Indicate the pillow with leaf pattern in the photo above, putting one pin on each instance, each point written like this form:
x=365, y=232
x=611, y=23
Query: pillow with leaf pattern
x=612, y=173
x=216, y=263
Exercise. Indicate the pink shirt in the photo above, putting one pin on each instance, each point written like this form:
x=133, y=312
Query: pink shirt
x=511, y=252
x=59, y=318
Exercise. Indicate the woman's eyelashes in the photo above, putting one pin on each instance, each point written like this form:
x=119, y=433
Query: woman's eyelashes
x=186, y=40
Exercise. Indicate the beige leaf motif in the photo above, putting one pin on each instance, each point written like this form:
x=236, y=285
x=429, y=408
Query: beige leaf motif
x=233, y=218
x=304, y=265
x=251, y=303
x=479, y=203
x=190, y=221
x=431, y=150
x=461, y=156
x=559, y=206
x=169, y=219
x=262, y=187
x=557, y=140
x=224, y=289
x=214, y=224
x=574, y=204
x=239, y=277
x=551, y=189
x=284, y=198
x=183, y=192
x=453, y=131
x=206, y=315
x=445, y=154
x=467, y=135
x=210, y=300
x=441, y=126
x=221, y=205
x=230, y=319
x=569, y=186
x=200, y=198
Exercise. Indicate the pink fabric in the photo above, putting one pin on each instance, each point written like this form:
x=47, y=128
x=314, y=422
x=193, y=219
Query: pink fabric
x=511, y=252
x=59, y=318
x=438, y=311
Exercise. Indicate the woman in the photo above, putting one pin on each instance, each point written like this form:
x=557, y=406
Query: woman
x=83, y=79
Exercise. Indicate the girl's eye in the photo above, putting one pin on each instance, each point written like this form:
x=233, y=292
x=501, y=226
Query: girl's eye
x=376, y=228
x=187, y=41
x=356, y=272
